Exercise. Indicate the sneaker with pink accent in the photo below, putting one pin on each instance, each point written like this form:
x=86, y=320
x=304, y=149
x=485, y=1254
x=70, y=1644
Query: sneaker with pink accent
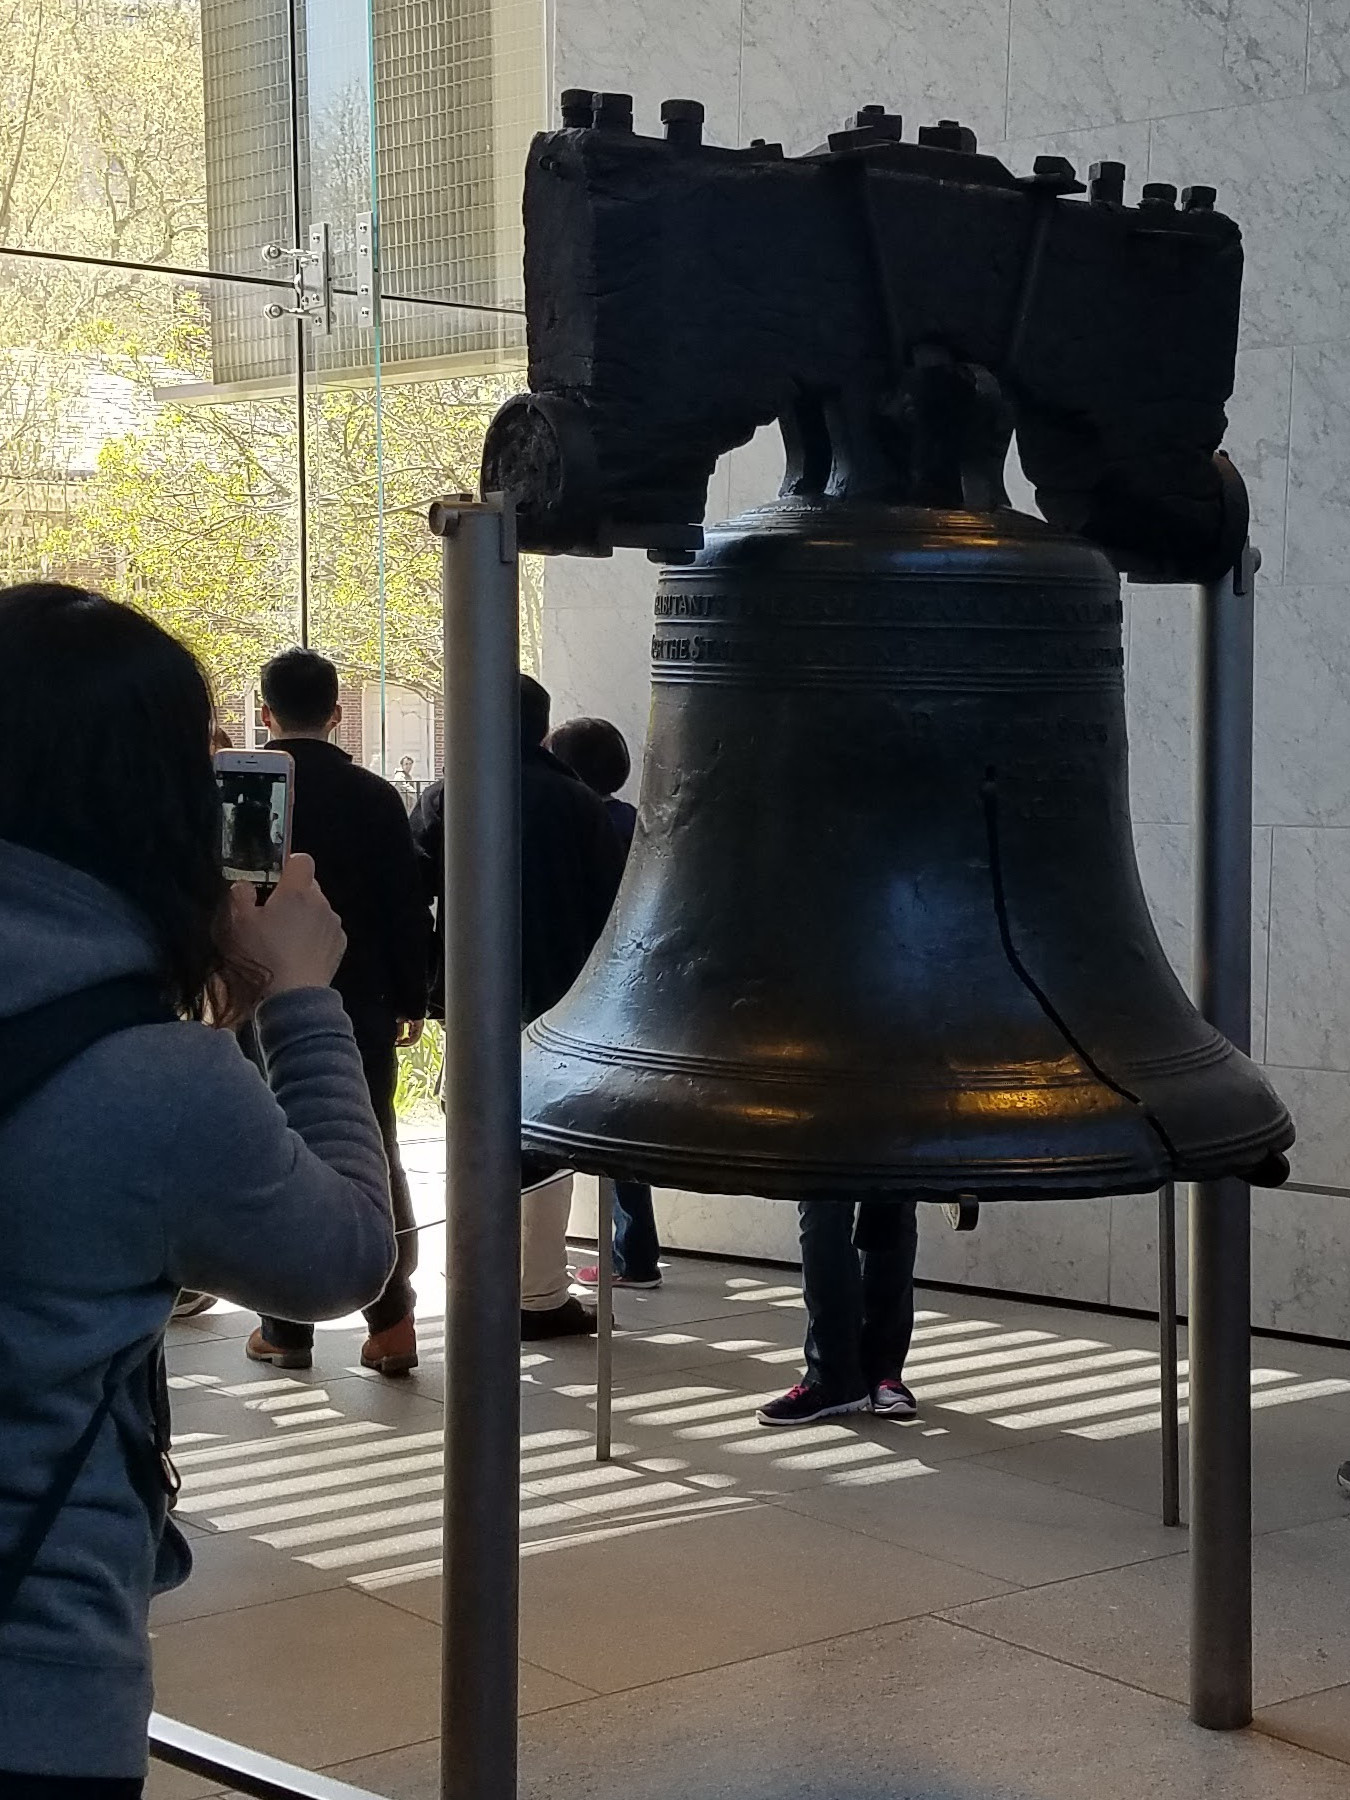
x=893, y=1400
x=590, y=1277
x=805, y=1403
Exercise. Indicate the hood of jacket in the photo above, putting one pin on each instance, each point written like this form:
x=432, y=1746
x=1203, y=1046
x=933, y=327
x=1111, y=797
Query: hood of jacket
x=61, y=930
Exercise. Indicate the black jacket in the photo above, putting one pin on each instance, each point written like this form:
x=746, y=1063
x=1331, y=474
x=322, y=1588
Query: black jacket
x=353, y=823
x=571, y=859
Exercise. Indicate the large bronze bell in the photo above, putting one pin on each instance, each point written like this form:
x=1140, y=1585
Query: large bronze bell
x=882, y=929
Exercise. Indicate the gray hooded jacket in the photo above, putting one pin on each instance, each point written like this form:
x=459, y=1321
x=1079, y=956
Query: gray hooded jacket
x=157, y=1159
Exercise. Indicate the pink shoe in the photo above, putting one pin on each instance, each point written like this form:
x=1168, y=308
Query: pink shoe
x=590, y=1277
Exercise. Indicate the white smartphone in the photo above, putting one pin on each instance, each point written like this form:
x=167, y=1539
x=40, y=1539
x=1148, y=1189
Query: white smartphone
x=257, y=789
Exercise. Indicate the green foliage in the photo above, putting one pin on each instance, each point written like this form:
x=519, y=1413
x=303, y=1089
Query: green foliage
x=419, y=1072
x=191, y=510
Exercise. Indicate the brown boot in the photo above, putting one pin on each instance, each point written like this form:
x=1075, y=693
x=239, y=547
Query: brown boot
x=257, y=1349
x=392, y=1352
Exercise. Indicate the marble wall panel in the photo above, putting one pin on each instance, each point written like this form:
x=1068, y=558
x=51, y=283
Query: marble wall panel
x=1166, y=859
x=654, y=52
x=1300, y=1249
x=1302, y=705
x=1329, y=44
x=1055, y=1247
x=1283, y=171
x=1125, y=142
x=1300, y=1255
x=722, y=1222
x=1263, y=875
x=807, y=68
x=1134, y=1250
x=596, y=642
x=1309, y=993
x=1088, y=62
x=1166, y=856
x=1160, y=703
x=754, y=472
x=1258, y=442
x=1319, y=1100
x=1319, y=438
x=716, y=1224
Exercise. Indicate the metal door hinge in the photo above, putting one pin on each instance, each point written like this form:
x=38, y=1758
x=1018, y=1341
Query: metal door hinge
x=367, y=271
x=312, y=281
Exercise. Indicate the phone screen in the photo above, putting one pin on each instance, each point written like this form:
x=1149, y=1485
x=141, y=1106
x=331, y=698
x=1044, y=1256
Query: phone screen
x=253, y=805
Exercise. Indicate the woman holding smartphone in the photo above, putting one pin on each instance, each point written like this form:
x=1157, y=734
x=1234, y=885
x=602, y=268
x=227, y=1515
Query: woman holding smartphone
x=151, y=1159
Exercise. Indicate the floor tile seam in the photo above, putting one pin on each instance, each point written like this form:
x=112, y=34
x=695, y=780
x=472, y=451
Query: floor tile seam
x=986, y=1458
x=1275, y=1737
x=1144, y=1512
x=1312, y=1694
x=732, y=1311
x=380, y=1597
x=532, y=1662
x=1041, y=1587
x=1018, y=1587
x=1137, y=1688
x=225, y=1612
x=1064, y=1662
x=352, y=1764
x=947, y=1562
x=587, y=1693
x=1327, y=1518
x=737, y=1662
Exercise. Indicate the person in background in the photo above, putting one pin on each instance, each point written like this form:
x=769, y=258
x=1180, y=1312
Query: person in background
x=151, y=1159
x=858, y=1284
x=190, y=1301
x=405, y=782
x=353, y=825
x=571, y=860
x=595, y=750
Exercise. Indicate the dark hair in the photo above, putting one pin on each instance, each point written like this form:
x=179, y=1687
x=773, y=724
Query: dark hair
x=535, y=706
x=105, y=765
x=300, y=690
x=595, y=750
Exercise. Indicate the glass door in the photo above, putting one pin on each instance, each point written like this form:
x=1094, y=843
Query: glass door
x=414, y=127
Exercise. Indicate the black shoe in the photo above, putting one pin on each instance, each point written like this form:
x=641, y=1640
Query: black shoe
x=571, y=1319
x=1343, y=1477
x=804, y=1404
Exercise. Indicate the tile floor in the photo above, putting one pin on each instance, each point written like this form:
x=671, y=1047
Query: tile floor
x=978, y=1606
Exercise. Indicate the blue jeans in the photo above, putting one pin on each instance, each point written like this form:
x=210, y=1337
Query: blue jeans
x=636, y=1245
x=858, y=1283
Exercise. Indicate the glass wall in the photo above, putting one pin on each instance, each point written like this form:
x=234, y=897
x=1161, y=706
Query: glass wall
x=242, y=442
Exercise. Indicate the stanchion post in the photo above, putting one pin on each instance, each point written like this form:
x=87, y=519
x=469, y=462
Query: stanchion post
x=481, y=1557
x=1220, y=1211
x=1167, y=1353
x=604, y=1323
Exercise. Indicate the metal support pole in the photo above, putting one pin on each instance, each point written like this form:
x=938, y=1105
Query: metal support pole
x=1167, y=1353
x=604, y=1323
x=480, y=1642
x=1220, y=1211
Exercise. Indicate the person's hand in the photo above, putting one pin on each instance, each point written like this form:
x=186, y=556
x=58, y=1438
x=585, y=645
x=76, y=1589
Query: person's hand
x=409, y=1033
x=296, y=938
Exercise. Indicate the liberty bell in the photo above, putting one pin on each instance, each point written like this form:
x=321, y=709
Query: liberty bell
x=881, y=931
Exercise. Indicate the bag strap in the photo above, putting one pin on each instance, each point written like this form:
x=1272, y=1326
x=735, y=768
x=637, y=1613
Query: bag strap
x=44, y=1515
x=35, y=1044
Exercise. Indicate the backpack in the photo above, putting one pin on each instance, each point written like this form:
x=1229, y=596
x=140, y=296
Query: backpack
x=34, y=1045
